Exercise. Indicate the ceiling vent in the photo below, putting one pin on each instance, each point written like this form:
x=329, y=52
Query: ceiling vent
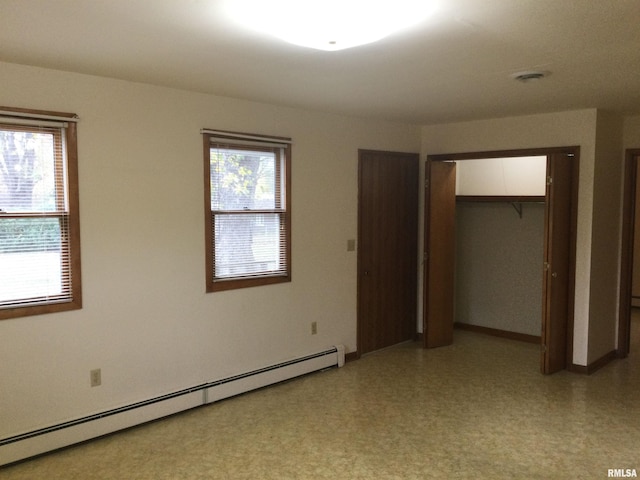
x=529, y=76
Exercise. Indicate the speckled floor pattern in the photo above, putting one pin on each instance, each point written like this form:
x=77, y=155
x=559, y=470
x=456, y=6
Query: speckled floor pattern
x=478, y=409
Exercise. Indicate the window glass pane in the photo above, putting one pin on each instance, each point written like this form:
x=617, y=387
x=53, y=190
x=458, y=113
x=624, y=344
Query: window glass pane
x=243, y=180
x=247, y=244
x=32, y=262
x=27, y=176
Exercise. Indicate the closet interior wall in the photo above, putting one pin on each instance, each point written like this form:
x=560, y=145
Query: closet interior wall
x=499, y=261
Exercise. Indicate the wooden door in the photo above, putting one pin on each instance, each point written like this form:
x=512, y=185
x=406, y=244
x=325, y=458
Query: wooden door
x=387, y=248
x=439, y=255
x=635, y=261
x=558, y=277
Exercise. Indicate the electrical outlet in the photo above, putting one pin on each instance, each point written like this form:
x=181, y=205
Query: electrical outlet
x=314, y=328
x=96, y=377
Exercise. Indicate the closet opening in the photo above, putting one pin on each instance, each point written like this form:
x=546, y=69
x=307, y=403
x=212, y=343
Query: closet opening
x=499, y=249
x=500, y=209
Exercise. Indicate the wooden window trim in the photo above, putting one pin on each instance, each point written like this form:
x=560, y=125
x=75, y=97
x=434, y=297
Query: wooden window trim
x=259, y=280
x=73, y=242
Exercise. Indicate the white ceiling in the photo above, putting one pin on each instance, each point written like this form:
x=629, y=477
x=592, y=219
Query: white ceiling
x=455, y=66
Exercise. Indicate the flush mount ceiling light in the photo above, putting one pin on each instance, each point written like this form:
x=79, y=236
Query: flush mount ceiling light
x=329, y=24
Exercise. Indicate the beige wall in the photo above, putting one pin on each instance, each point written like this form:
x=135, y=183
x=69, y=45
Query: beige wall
x=146, y=321
x=631, y=131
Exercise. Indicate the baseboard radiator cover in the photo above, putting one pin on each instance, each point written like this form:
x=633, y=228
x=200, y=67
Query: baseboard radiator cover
x=36, y=442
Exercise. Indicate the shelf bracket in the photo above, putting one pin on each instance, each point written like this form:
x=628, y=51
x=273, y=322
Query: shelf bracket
x=518, y=208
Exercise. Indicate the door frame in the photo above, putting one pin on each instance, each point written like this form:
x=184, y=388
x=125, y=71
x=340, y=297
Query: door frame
x=632, y=157
x=572, y=151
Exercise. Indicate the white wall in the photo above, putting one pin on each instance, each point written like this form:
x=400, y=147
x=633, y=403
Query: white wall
x=147, y=322
x=510, y=176
x=538, y=131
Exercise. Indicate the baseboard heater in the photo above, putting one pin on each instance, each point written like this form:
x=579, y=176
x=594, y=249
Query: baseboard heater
x=29, y=444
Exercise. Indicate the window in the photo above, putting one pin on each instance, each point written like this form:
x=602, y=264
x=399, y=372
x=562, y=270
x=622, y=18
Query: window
x=248, y=210
x=39, y=226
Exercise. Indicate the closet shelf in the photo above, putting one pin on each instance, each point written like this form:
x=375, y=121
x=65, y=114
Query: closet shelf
x=516, y=202
x=501, y=198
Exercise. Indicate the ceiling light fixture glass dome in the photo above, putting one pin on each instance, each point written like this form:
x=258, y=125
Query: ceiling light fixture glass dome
x=329, y=24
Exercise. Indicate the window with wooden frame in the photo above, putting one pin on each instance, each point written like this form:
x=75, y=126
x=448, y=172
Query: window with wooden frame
x=247, y=209
x=39, y=220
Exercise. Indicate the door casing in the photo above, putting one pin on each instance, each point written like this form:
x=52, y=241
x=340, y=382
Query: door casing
x=632, y=158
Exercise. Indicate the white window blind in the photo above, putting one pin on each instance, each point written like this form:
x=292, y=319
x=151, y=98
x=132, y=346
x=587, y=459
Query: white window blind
x=35, y=262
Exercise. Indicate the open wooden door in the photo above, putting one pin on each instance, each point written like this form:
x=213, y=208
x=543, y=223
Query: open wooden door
x=439, y=255
x=557, y=289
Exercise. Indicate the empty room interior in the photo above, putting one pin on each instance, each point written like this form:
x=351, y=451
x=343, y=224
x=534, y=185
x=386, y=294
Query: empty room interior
x=305, y=240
